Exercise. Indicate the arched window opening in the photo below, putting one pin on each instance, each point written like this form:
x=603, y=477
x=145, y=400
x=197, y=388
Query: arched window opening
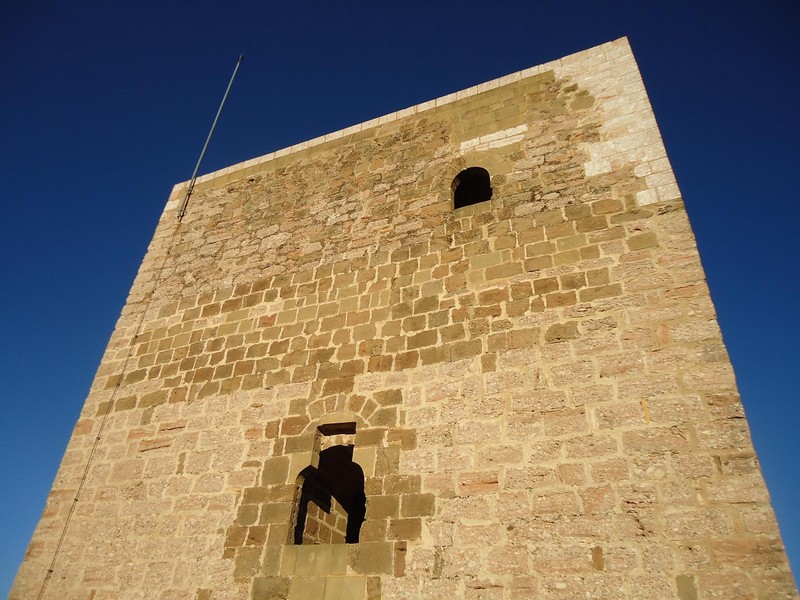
x=471, y=186
x=332, y=503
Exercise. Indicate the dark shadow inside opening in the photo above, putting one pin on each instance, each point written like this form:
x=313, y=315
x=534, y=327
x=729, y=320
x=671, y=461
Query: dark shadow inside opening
x=471, y=186
x=339, y=478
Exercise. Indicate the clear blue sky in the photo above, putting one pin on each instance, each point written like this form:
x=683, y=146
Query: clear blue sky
x=105, y=105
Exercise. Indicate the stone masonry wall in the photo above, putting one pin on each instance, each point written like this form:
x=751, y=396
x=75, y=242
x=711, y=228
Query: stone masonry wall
x=535, y=388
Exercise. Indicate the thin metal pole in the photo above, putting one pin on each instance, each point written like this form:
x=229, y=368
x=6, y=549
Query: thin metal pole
x=190, y=189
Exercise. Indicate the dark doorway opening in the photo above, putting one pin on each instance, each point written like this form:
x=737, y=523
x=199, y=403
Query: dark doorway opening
x=471, y=186
x=332, y=503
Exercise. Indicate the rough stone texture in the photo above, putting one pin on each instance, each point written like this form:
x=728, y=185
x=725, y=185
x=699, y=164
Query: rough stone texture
x=542, y=401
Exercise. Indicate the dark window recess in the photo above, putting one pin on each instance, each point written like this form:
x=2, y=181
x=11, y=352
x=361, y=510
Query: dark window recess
x=471, y=186
x=332, y=503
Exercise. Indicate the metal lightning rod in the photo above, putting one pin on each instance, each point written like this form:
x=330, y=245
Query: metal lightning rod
x=190, y=189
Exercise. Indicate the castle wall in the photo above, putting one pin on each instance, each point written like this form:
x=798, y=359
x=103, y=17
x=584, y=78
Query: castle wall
x=535, y=387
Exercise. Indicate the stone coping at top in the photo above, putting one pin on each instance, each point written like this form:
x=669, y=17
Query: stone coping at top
x=226, y=173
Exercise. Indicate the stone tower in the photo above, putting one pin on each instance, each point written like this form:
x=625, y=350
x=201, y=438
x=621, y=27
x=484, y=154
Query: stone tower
x=465, y=350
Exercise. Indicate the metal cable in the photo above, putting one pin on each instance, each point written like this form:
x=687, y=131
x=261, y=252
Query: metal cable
x=109, y=410
x=181, y=214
